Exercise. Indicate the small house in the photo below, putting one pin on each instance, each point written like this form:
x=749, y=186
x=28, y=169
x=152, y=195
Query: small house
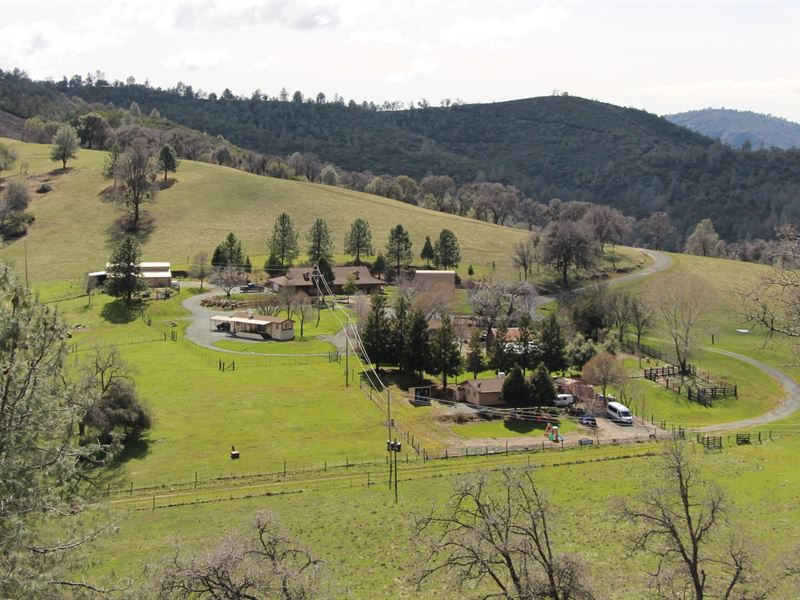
x=267, y=327
x=155, y=274
x=576, y=387
x=482, y=392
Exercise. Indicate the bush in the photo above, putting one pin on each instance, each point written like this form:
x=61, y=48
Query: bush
x=118, y=414
x=44, y=188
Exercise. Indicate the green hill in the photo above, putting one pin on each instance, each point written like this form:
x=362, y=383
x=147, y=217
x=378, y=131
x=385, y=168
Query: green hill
x=550, y=147
x=73, y=225
x=739, y=127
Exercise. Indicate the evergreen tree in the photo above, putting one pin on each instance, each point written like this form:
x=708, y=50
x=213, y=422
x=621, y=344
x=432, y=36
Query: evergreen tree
x=500, y=358
x=417, y=345
x=248, y=266
x=320, y=243
x=326, y=271
x=551, y=345
x=475, y=362
x=283, y=244
x=446, y=250
x=427, y=251
x=516, y=389
x=400, y=324
x=445, y=357
x=377, y=331
x=544, y=392
x=470, y=270
x=272, y=267
x=528, y=352
x=399, y=247
x=124, y=273
x=358, y=240
x=167, y=160
x=65, y=145
x=379, y=266
x=229, y=253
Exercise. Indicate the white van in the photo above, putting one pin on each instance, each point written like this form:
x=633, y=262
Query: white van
x=563, y=400
x=619, y=413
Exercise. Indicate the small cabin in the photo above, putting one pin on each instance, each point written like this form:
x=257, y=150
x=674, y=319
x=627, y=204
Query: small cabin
x=482, y=392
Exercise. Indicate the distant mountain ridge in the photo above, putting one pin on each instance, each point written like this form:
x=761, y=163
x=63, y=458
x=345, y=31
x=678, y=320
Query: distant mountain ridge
x=549, y=147
x=738, y=127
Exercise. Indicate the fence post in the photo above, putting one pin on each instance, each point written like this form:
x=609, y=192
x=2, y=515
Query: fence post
x=195, y=479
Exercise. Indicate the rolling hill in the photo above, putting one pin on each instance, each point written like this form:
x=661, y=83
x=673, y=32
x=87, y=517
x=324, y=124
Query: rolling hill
x=74, y=226
x=738, y=127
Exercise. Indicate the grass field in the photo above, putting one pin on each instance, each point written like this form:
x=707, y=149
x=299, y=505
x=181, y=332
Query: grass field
x=207, y=202
x=368, y=543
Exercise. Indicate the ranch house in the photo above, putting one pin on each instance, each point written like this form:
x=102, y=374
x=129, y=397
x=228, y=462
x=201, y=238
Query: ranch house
x=482, y=392
x=299, y=278
x=155, y=274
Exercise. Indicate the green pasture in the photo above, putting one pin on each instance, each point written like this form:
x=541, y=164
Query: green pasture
x=368, y=544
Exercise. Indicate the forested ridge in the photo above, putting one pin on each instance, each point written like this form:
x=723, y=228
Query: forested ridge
x=741, y=127
x=549, y=147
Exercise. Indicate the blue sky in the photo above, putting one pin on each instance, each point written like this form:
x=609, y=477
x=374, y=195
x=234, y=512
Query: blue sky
x=660, y=56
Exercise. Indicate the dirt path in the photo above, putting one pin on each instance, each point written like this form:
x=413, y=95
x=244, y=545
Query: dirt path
x=661, y=262
x=787, y=407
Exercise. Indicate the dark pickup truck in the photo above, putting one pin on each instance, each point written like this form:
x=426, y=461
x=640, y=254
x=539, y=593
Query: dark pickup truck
x=251, y=287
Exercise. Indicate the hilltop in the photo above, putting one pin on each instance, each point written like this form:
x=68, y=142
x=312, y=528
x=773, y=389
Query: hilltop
x=739, y=127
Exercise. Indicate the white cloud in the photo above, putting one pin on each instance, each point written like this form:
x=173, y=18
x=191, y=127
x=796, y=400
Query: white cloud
x=515, y=28
x=387, y=37
x=728, y=88
x=268, y=62
x=42, y=40
x=192, y=60
x=417, y=68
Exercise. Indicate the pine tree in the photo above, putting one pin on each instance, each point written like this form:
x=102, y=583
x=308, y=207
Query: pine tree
x=379, y=266
x=417, y=345
x=475, y=362
x=358, y=240
x=516, y=389
x=427, y=251
x=248, y=266
x=544, y=392
x=376, y=331
x=527, y=355
x=552, y=347
x=229, y=253
x=167, y=160
x=283, y=244
x=399, y=246
x=445, y=352
x=320, y=243
x=326, y=271
x=400, y=324
x=500, y=358
x=124, y=273
x=446, y=250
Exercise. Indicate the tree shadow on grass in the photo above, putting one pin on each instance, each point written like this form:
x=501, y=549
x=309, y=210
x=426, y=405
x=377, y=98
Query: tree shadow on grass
x=118, y=312
x=132, y=451
x=165, y=185
x=401, y=380
x=524, y=427
x=124, y=226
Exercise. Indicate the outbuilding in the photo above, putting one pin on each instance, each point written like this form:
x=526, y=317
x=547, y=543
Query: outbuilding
x=482, y=392
x=248, y=323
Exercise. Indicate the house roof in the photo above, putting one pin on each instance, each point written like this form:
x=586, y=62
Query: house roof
x=486, y=386
x=512, y=334
x=301, y=277
x=154, y=265
x=151, y=274
x=253, y=318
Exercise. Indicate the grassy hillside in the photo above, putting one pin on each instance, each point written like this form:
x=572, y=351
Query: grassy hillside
x=737, y=127
x=73, y=225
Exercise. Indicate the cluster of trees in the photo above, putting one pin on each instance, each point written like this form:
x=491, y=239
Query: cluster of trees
x=14, y=217
x=404, y=339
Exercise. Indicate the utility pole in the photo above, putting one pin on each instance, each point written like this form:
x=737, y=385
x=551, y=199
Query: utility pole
x=394, y=447
x=347, y=358
x=25, y=245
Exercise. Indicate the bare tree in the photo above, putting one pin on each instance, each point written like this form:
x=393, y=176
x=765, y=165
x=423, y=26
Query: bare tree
x=620, y=309
x=603, y=369
x=286, y=296
x=270, y=566
x=566, y=244
x=608, y=225
x=774, y=303
x=136, y=171
x=501, y=537
x=523, y=257
x=679, y=299
x=200, y=268
x=302, y=308
x=228, y=278
x=641, y=317
x=680, y=520
x=267, y=304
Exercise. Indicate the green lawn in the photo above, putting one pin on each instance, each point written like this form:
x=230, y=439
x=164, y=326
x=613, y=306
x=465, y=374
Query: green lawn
x=368, y=543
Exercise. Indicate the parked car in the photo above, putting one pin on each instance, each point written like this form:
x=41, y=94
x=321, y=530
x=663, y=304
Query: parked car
x=619, y=413
x=252, y=287
x=588, y=421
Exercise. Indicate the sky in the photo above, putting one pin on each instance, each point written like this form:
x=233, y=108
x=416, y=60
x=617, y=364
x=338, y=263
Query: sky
x=663, y=57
